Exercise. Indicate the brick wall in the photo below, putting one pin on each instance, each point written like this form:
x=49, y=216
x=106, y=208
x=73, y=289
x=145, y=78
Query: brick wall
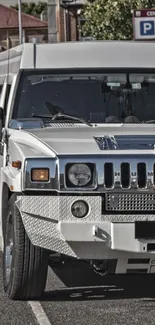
x=42, y=34
x=72, y=24
x=62, y=36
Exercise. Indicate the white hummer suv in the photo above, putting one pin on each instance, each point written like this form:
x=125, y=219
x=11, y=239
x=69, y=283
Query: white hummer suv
x=77, y=124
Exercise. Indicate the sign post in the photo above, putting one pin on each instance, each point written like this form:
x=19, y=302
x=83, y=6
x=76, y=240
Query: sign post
x=144, y=24
x=20, y=21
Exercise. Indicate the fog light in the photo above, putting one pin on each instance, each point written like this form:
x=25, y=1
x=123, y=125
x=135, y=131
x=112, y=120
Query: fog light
x=80, y=209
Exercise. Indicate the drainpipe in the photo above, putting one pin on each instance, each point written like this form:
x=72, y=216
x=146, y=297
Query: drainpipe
x=67, y=21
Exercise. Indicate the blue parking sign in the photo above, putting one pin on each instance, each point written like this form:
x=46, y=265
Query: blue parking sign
x=147, y=28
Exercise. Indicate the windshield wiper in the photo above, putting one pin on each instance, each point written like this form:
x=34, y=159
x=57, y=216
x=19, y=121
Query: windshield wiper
x=59, y=115
x=147, y=122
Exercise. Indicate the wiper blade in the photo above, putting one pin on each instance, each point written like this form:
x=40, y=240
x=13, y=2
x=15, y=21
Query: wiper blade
x=59, y=115
x=70, y=117
x=42, y=116
x=147, y=122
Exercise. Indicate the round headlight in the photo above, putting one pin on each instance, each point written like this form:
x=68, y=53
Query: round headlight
x=79, y=174
x=80, y=209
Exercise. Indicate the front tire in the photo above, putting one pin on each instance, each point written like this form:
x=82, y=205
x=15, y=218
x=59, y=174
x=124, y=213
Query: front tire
x=24, y=265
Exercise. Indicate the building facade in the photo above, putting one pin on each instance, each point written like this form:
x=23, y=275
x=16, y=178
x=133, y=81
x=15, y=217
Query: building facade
x=60, y=22
x=14, y=2
x=32, y=27
x=69, y=20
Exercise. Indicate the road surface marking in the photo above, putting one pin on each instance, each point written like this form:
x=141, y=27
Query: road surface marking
x=39, y=313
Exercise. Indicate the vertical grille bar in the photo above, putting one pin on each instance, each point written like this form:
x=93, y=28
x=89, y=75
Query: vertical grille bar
x=125, y=175
x=108, y=175
x=141, y=175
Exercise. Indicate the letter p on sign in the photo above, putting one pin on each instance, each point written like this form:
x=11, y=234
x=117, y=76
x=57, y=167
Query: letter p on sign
x=147, y=28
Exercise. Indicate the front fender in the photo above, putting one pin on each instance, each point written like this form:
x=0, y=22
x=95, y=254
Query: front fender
x=12, y=177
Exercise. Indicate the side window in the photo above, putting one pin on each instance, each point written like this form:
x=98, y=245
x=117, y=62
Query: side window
x=8, y=87
x=4, y=96
x=1, y=87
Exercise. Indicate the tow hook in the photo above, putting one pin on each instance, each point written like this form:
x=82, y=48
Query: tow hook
x=100, y=267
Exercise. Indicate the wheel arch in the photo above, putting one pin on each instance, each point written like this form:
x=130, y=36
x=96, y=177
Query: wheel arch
x=5, y=196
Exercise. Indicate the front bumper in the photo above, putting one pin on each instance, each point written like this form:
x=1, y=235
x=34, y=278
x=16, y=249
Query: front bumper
x=49, y=223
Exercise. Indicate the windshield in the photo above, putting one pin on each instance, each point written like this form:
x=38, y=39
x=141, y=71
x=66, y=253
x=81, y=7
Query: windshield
x=97, y=98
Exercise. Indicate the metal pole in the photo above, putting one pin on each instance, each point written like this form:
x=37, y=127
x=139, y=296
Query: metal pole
x=20, y=21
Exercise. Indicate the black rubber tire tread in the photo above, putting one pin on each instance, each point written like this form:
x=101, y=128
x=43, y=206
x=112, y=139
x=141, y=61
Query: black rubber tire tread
x=29, y=265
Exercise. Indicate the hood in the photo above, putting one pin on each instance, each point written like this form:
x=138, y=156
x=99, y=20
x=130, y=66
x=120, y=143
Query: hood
x=97, y=140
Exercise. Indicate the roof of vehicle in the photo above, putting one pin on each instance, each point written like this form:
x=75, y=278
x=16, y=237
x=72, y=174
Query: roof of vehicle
x=94, y=54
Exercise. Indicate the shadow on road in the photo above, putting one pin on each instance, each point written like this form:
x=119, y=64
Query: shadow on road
x=83, y=284
x=94, y=294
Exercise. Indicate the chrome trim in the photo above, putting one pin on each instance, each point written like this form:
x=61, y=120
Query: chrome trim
x=50, y=163
x=138, y=174
x=126, y=142
x=129, y=178
x=57, y=172
x=107, y=142
x=93, y=178
x=102, y=142
x=116, y=160
x=112, y=174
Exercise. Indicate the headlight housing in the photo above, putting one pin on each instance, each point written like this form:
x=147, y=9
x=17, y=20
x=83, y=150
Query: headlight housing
x=40, y=175
x=79, y=175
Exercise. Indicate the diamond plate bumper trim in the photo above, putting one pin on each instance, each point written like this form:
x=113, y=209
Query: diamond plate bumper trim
x=58, y=208
x=42, y=216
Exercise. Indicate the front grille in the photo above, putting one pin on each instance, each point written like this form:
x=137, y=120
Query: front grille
x=129, y=202
x=124, y=175
x=141, y=172
x=109, y=175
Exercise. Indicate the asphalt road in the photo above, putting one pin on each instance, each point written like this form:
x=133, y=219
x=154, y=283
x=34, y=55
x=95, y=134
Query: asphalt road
x=114, y=300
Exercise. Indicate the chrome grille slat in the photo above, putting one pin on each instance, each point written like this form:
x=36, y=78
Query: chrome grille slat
x=109, y=175
x=129, y=174
x=141, y=174
x=125, y=175
x=129, y=202
x=154, y=174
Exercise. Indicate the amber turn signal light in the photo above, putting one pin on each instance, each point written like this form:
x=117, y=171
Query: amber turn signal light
x=40, y=175
x=16, y=164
